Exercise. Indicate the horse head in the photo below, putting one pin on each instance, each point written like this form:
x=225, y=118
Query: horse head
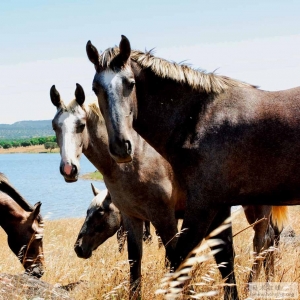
x=115, y=86
x=102, y=221
x=69, y=124
x=26, y=241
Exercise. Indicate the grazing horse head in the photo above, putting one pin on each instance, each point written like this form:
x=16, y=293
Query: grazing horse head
x=27, y=243
x=69, y=125
x=24, y=227
x=114, y=84
x=103, y=220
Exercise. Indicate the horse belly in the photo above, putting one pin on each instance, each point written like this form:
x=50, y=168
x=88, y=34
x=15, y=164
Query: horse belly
x=266, y=172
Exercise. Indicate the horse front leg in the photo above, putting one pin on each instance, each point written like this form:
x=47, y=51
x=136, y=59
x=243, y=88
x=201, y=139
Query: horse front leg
x=226, y=255
x=134, y=228
x=166, y=230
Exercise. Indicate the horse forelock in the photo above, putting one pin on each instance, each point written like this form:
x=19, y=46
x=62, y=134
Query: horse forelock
x=197, y=79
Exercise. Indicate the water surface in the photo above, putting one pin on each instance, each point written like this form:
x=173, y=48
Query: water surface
x=37, y=178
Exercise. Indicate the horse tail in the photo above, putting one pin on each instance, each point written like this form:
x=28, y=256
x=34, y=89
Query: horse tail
x=279, y=216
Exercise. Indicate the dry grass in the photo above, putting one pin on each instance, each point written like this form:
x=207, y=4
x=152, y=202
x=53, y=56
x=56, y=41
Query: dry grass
x=105, y=274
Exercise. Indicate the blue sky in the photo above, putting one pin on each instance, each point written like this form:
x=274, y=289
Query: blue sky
x=43, y=43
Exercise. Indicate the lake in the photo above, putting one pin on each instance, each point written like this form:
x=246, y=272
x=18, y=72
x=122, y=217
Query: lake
x=37, y=178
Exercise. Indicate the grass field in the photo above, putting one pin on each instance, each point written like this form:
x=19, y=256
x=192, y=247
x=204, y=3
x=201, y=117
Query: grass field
x=105, y=274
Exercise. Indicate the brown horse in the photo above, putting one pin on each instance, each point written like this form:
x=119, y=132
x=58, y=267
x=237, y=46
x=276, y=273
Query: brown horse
x=228, y=142
x=24, y=227
x=80, y=128
x=102, y=221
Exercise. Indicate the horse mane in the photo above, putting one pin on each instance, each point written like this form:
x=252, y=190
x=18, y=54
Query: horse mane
x=95, y=112
x=8, y=189
x=198, y=80
x=92, y=109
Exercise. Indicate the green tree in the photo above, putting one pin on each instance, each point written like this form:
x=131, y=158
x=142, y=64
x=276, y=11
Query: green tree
x=25, y=143
x=50, y=145
x=7, y=146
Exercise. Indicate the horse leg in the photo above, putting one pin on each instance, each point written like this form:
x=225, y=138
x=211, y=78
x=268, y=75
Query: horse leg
x=269, y=259
x=198, y=220
x=226, y=255
x=134, y=228
x=147, y=237
x=261, y=238
x=166, y=230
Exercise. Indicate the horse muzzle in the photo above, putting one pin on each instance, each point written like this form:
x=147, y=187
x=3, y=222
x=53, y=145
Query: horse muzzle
x=121, y=152
x=83, y=253
x=69, y=172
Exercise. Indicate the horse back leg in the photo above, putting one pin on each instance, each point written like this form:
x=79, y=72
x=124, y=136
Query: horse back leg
x=263, y=239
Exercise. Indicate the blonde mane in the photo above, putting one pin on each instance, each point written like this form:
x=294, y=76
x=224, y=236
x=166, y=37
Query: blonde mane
x=92, y=109
x=197, y=79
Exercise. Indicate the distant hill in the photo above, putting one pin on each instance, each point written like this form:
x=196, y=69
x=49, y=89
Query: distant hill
x=26, y=129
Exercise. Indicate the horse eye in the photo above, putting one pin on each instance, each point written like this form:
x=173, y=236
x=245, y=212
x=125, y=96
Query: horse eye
x=131, y=84
x=80, y=128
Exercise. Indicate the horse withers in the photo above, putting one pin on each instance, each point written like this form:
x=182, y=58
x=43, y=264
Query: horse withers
x=228, y=142
x=24, y=227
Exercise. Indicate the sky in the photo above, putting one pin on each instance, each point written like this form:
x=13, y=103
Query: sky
x=43, y=43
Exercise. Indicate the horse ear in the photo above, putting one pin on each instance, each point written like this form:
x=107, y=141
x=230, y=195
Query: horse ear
x=79, y=94
x=95, y=190
x=36, y=210
x=55, y=97
x=125, y=48
x=92, y=54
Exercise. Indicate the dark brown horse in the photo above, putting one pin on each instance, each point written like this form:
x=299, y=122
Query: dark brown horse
x=228, y=142
x=24, y=227
x=80, y=128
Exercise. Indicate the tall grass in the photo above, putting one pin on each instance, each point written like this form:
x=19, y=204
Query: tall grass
x=105, y=275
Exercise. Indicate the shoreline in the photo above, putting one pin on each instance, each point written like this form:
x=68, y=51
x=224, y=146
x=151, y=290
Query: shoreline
x=40, y=149
x=29, y=149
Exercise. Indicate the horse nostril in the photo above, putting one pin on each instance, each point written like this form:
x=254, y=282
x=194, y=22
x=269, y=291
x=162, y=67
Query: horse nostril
x=78, y=251
x=74, y=169
x=61, y=170
x=128, y=147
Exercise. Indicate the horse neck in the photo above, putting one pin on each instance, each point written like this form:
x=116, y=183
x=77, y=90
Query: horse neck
x=97, y=149
x=10, y=213
x=174, y=110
